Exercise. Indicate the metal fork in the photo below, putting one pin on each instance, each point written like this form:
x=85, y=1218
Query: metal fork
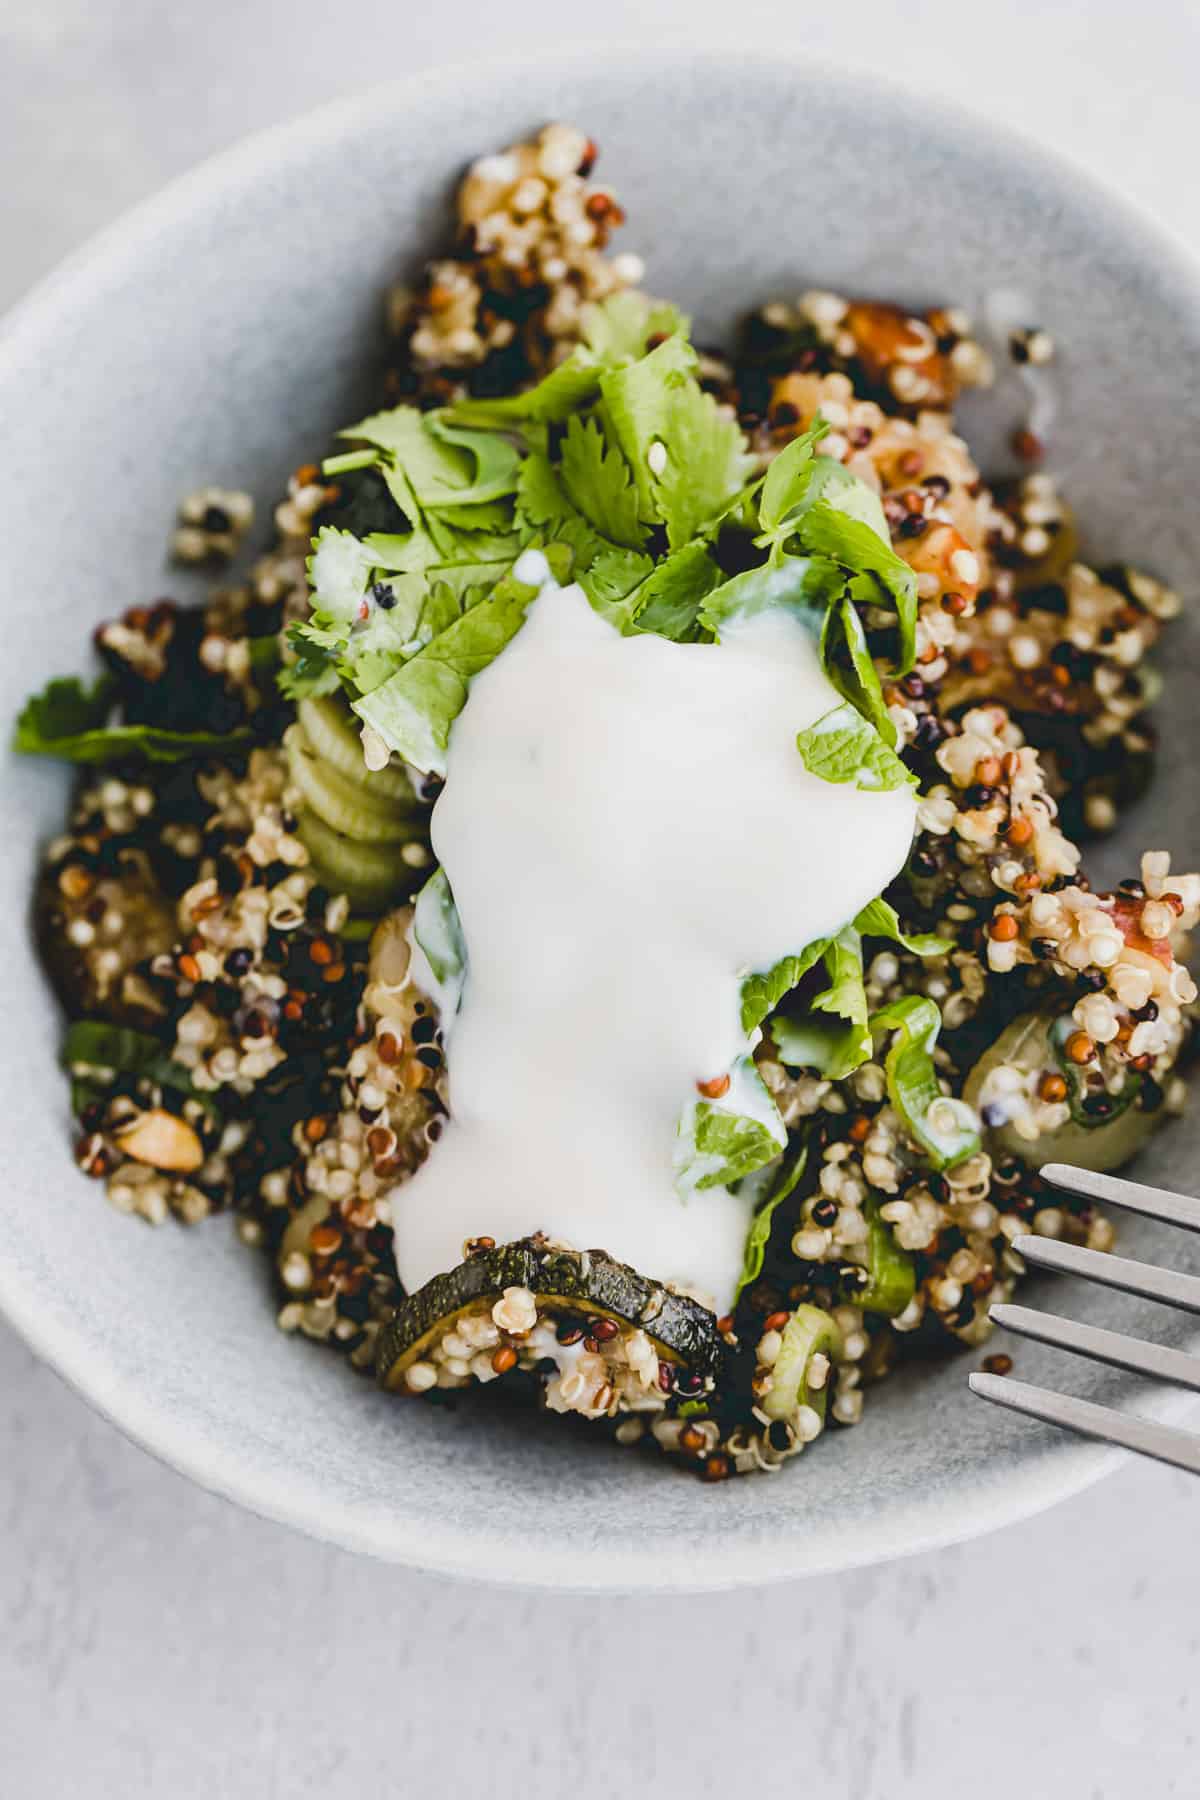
x=1165, y=1442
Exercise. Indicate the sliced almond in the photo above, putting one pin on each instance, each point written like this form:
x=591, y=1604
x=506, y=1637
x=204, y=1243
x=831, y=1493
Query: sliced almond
x=162, y=1140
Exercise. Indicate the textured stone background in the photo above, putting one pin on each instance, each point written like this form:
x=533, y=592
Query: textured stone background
x=155, y=1641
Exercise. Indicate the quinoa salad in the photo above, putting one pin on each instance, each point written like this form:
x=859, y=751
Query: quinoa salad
x=601, y=900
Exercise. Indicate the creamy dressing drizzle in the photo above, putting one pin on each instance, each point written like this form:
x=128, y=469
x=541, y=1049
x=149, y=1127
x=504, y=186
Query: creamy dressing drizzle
x=628, y=829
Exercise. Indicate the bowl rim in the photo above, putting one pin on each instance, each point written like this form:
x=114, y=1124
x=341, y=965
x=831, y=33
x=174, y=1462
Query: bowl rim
x=1064, y=1467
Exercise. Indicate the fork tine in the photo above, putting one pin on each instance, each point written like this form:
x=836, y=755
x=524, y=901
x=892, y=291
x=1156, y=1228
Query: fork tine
x=1112, y=1271
x=1102, y=1345
x=1134, y=1196
x=1164, y=1442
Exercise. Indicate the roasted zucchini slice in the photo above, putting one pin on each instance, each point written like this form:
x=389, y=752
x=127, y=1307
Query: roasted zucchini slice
x=583, y=1284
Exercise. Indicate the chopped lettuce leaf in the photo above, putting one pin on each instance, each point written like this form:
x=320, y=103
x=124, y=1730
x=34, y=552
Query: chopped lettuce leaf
x=414, y=709
x=68, y=720
x=437, y=930
x=879, y=919
x=844, y=747
x=826, y=1046
x=720, y=1141
x=846, y=998
x=780, y=1182
x=946, y=1130
x=762, y=993
x=805, y=1041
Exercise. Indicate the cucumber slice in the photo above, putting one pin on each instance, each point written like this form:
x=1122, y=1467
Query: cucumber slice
x=584, y=1283
x=1028, y=1044
x=371, y=876
x=808, y=1331
x=893, y=1275
x=343, y=804
x=333, y=737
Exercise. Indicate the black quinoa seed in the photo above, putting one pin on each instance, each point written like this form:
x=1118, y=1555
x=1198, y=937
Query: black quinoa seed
x=216, y=519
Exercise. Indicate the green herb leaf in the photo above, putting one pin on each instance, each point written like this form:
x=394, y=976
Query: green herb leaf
x=844, y=747
x=668, y=601
x=788, y=477
x=846, y=997
x=806, y=586
x=947, y=1130
x=806, y=1041
x=414, y=709
x=759, y=1234
x=546, y=515
x=857, y=544
x=859, y=681
x=687, y=460
x=438, y=931
x=94, y=1053
x=762, y=993
x=880, y=919
x=620, y=327
x=555, y=398
x=598, y=483
x=66, y=720
x=720, y=1141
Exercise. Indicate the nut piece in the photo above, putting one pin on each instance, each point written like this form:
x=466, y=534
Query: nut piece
x=162, y=1140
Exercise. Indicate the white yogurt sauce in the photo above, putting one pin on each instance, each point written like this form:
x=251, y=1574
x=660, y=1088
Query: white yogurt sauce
x=628, y=830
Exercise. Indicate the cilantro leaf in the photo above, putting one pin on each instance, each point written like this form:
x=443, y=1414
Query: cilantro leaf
x=688, y=460
x=598, y=483
x=622, y=325
x=857, y=545
x=67, y=720
x=788, y=476
x=545, y=514
x=564, y=391
x=316, y=644
x=668, y=601
x=806, y=585
x=843, y=747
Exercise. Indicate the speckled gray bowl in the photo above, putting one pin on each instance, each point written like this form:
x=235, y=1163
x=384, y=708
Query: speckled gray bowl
x=220, y=333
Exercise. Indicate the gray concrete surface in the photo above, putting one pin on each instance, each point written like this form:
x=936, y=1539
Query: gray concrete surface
x=155, y=1642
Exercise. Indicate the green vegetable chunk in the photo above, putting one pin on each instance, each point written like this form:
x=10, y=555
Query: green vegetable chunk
x=808, y=1332
x=947, y=1130
x=69, y=721
x=891, y=1270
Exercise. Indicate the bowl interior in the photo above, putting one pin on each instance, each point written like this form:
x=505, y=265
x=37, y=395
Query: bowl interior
x=221, y=335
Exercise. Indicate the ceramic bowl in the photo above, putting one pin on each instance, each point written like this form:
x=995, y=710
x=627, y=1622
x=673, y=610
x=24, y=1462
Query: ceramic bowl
x=221, y=333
